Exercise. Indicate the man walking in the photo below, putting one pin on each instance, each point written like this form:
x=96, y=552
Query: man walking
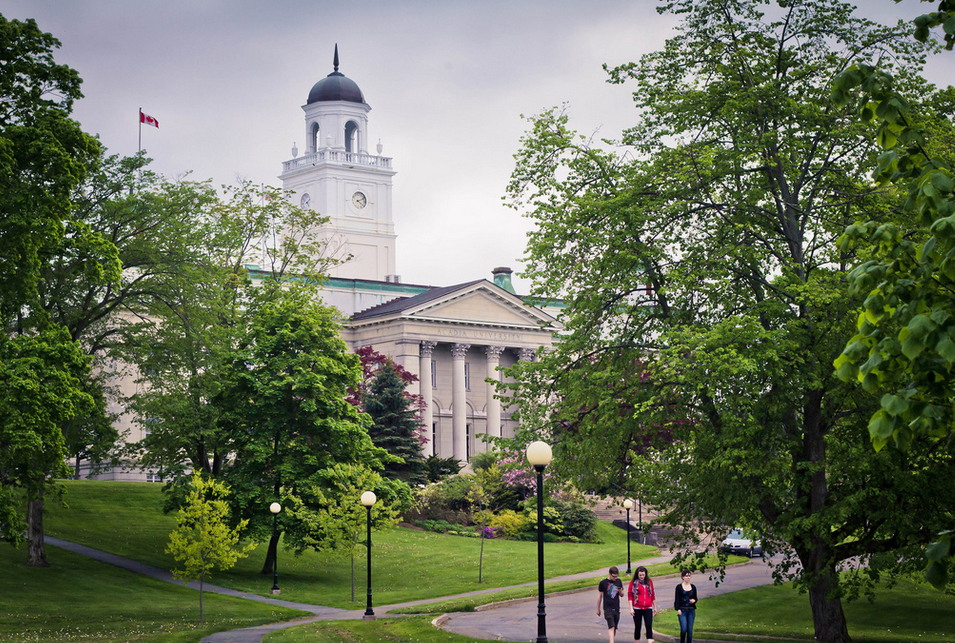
x=609, y=596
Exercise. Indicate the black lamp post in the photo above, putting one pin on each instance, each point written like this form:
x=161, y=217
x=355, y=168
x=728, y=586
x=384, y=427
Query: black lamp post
x=275, y=508
x=627, y=504
x=643, y=539
x=539, y=454
x=368, y=499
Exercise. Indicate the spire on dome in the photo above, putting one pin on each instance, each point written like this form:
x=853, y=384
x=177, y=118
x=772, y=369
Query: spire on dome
x=336, y=87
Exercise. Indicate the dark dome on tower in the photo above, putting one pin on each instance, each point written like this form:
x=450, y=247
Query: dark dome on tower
x=335, y=86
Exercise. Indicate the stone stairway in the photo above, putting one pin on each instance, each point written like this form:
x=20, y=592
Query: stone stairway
x=611, y=510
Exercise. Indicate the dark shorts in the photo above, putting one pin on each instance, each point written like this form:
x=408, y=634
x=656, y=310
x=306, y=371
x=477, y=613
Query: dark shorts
x=613, y=618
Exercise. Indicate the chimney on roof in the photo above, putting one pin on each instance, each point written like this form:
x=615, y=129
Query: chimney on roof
x=502, y=278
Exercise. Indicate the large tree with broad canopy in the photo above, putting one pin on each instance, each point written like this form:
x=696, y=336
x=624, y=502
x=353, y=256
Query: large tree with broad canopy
x=706, y=297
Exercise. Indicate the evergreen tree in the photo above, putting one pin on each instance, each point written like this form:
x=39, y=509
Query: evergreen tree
x=395, y=427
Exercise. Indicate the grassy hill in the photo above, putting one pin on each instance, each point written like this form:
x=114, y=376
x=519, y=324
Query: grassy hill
x=78, y=599
x=126, y=518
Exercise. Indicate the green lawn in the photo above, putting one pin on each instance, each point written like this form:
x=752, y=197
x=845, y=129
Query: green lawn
x=409, y=628
x=909, y=612
x=125, y=518
x=78, y=599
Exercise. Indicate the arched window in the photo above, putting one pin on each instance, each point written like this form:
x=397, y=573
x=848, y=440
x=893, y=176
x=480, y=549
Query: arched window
x=351, y=136
x=313, y=140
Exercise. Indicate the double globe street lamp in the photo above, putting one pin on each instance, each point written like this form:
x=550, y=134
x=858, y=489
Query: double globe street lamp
x=275, y=508
x=368, y=499
x=539, y=454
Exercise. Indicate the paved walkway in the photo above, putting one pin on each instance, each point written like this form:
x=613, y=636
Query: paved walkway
x=571, y=617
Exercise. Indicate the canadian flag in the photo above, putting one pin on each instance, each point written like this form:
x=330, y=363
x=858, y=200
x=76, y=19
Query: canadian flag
x=148, y=120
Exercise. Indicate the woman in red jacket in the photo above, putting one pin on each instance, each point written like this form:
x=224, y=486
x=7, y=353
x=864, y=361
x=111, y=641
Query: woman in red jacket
x=643, y=602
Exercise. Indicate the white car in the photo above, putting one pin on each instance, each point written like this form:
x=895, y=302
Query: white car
x=739, y=544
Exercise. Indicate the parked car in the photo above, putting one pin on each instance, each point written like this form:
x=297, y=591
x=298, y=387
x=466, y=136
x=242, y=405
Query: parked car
x=738, y=543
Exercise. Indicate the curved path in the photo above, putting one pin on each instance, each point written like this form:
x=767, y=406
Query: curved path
x=571, y=616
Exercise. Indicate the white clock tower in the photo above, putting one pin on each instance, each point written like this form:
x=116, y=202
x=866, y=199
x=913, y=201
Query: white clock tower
x=340, y=179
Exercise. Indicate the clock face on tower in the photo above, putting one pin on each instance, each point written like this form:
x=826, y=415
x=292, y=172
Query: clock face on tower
x=359, y=200
x=306, y=201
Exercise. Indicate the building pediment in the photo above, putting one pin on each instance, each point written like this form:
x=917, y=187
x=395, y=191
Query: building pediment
x=479, y=303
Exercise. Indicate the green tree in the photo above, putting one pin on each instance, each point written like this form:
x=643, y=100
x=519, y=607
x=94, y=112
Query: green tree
x=128, y=234
x=944, y=17
x=203, y=541
x=336, y=518
x=93, y=436
x=42, y=389
x=904, y=349
x=43, y=155
x=284, y=407
x=395, y=426
x=183, y=353
x=707, y=297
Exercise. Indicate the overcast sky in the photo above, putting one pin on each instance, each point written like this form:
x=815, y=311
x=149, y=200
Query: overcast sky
x=447, y=82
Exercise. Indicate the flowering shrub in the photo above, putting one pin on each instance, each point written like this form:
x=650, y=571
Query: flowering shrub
x=482, y=517
x=516, y=472
x=511, y=523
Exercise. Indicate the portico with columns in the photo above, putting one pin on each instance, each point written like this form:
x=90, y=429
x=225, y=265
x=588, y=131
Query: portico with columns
x=454, y=339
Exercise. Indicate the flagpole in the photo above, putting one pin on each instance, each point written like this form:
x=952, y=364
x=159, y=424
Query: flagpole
x=140, y=129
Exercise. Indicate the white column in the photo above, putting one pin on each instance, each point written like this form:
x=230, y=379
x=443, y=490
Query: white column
x=459, y=404
x=493, y=403
x=526, y=354
x=424, y=389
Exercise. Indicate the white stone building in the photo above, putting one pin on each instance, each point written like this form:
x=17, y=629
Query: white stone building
x=453, y=337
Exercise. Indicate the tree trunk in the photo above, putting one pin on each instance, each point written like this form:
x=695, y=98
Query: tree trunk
x=270, y=556
x=36, y=551
x=817, y=555
x=481, y=558
x=828, y=619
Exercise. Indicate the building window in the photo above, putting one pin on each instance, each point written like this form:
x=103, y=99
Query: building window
x=467, y=376
x=434, y=374
x=467, y=441
x=434, y=437
x=153, y=477
x=351, y=136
